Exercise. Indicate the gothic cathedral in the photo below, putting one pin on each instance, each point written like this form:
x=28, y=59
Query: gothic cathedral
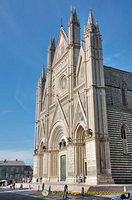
x=83, y=128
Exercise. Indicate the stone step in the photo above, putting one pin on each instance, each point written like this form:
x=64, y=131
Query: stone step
x=122, y=181
x=115, y=174
x=121, y=157
x=123, y=169
x=121, y=160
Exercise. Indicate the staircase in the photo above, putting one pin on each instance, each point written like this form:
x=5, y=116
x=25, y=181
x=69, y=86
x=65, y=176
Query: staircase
x=121, y=164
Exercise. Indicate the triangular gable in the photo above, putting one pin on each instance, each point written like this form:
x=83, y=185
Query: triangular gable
x=61, y=46
x=59, y=115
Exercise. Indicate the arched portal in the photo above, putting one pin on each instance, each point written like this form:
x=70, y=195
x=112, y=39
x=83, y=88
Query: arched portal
x=57, y=152
x=80, y=152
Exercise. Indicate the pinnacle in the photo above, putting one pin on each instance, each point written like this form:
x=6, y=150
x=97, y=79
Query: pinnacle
x=71, y=9
x=52, y=43
x=97, y=27
x=73, y=17
x=90, y=19
x=43, y=77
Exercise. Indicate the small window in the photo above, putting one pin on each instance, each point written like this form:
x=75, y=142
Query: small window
x=12, y=169
x=17, y=170
x=7, y=175
x=124, y=138
x=123, y=132
x=124, y=93
x=123, y=97
x=7, y=168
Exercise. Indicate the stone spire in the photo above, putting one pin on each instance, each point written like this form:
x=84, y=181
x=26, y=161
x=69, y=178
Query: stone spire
x=97, y=27
x=90, y=22
x=73, y=17
x=43, y=73
x=53, y=43
x=73, y=28
x=50, y=44
x=76, y=21
x=50, y=52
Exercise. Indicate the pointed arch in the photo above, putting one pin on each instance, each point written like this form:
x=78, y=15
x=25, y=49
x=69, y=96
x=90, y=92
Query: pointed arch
x=40, y=146
x=59, y=131
x=124, y=132
x=80, y=151
x=80, y=125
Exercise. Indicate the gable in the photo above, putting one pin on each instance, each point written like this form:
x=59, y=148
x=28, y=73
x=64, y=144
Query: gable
x=61, y=46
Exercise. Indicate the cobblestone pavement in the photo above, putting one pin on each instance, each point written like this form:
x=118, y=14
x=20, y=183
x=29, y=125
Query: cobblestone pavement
x=8, y=194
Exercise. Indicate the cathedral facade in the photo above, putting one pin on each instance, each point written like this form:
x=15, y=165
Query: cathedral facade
x=83, y=128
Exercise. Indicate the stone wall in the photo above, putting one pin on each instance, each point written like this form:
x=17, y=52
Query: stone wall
x=114, y=79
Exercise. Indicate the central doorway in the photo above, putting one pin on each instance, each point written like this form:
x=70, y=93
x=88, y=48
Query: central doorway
x=63, y=168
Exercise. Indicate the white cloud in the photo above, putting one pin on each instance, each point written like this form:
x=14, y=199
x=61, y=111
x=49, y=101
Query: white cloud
x=23, y=155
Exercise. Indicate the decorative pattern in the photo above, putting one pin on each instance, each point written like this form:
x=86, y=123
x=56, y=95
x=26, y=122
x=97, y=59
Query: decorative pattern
x=61, y=49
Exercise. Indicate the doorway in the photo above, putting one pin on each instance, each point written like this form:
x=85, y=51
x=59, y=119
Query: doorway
x=63, y=168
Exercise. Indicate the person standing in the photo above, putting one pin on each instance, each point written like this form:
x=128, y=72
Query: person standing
x=65, y=191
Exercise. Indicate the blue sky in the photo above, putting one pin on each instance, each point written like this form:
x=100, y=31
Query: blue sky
x=25, y=29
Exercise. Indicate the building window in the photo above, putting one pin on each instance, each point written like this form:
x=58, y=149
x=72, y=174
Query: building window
x=7, y=175
x=17, y=170
x=22, y=169
x=124, y=138
x=123, y=97
x=7, y=169
x=11, y=176
x=124, y=94
x=22, y=176
x=12, y=169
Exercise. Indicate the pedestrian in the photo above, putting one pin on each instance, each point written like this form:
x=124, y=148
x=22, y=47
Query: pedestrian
x=65, y=191
x=43, y=186
x=14, y=186
x=81, y=177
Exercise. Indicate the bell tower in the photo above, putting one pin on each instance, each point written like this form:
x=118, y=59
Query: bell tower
x=50, y=57
x=74, y=48
x=96, y=99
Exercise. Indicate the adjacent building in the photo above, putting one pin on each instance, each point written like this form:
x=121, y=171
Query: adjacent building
x=83, y=125
x=15, y=171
